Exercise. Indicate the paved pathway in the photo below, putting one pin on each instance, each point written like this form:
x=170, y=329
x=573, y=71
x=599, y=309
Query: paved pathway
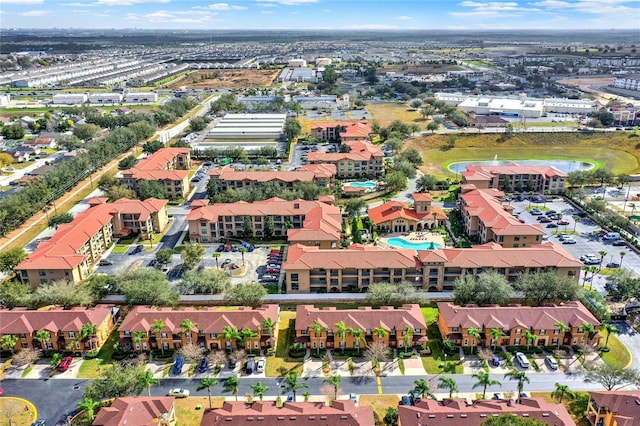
x=631, y=340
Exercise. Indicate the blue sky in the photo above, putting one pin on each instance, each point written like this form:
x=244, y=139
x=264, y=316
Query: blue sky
x=322, y=14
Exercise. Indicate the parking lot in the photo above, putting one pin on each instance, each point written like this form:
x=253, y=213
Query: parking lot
x=301, y=151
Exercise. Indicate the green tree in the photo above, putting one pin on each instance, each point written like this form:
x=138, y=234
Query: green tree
x=192, y=254
x=391, y=416
x=341, y=331
x=90, y=406
x=164, y=256
x=530, y=336
x=207, y=383
x=406, y=336
x=561, y=391
x=547, y=287
x=152, y=146
x=127, y=162
x=246, y=294
x=56, y=357
x=562, y=328
x=611, y=377
x=85, y=131
x=496, y=334
x=433, y=126
x=231, y=334
x=157, y=327
x=371, y=76
x=292, y=384
x=358, y=338
x=413, y=156
x=426, y=183
x=609, y=329
x=475, y=333
x=146, y=287
x=116, y=382
x=187, y=326
x=137, y=339
x=395, y=181
x=87, y=332
x=292, y=128
x=150, y=189
x=62, y=293
x=484, y=380
x=511, y=420
x=334, y=381
x=207, y=281
x=520, y=377
x=422, y=388
x=317, y=329
x=232, y=386
x=9, y=341
x=259, y=390
x=10, y=258
x=198, y=123
x=448, y=383
x=43, y=337
x=120, y=191
x=488, y=288
x=147, y=380
x=60, y=219
x=353, y=206
x=14, y=131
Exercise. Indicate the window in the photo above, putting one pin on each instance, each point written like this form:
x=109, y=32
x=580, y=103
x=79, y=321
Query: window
x=518, y=331
x=24, y=345
x=213, y=335
x=516, y=342
x=556, y=331
x=543, y=331
x=22, y=336
x=72, y=335
x=294, y=277
x=455, y=329
x=295, y=287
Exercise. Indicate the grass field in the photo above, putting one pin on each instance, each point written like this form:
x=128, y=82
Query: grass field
x=186, y=413
x=277, y=364
x=386, y=113
x=618, y=355
x=13, y=409
x=379, y=403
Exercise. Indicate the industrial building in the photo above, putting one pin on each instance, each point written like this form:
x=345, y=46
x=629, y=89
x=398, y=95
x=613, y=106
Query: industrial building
x=248, y=130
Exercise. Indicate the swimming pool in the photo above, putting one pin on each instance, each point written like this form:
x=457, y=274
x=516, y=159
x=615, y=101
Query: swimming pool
x=368, y=184
x=402, y=243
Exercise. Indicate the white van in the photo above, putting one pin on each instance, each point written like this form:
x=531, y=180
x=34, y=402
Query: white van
x=611, y=236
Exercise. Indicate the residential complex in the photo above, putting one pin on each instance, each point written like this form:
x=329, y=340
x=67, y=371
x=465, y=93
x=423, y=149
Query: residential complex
x=77, y=246
x=139, y=411
x=619, y=408
x=169, y=166
x=512, y=177
x=459, y=412
x=310, y=270
x=396, y=216
x=316, y=223
x=363, y=160
x=487, y=219
x=228, y=178
x=208, y=328
x=64, y=327
x=341, y=131
x=340, y=413
x=394, y=327
x=515, y=321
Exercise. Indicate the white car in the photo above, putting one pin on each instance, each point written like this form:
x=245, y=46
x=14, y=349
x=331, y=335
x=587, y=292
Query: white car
x=260, y=366
x=179, y=392
x=522, y=360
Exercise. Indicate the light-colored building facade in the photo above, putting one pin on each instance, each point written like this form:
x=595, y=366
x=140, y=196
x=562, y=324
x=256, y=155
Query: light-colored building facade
x=229, y=178
x=396, y=216
x=341, y=131
x=628, y=82
x=169, y=166
x=512, y=177
x=363, y=160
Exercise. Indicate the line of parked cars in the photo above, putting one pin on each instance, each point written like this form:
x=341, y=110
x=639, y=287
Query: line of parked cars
x=274, y=266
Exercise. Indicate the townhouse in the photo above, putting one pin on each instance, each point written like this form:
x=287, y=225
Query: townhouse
x=229, y=178
x=316, y=223
x=139, y=411
x=459, y=412
x=340, y=413
x=364, y=159
x=396, y=216
x=78, y=245
x=212, y=328
x=341, y=131
x=512, y=177
x=64, y=327
x=613, y=408
x=544, y=322
x=486, y=218
x=394, y=327
x=310, y=270
x=169, y=166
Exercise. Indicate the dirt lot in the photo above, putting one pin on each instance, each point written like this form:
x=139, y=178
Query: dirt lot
x=220, y=79
x=593, y=85
x=419, y=68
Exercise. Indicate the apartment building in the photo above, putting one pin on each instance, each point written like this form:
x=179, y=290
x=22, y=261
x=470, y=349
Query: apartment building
x=64, y=327
x=627, y=82
x=139, y=411
x=341, y=131
x=212, y=328
x=310, y=270
x=363, y=160
x=230, y=178
x=78, y=245
x=396, y=216
x=316, y=223
x=613, y=408
x=395, y=327
x=169, y=166
x=514, y=321
x=340, y=413
x=486, y=218
x=459, y=412
x=512, y=177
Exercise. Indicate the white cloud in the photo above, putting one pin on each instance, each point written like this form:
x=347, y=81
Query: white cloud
x=290, y=2
x=224, y=6
x=33, y=13
x=327, y=10
x=127, y=2
x=22, y=2
x=163, y=16
x=79, y=4
x=266, y=12
x=403, y=18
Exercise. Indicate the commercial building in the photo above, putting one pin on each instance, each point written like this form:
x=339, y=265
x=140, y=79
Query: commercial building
x=521, y=106
x=394, y=327
x=209, y=325
x=628, y=82
x=169, y=166
x=363, y=160
x=513, y=177
x=340, y=413
x=515, y=321
x=141, y=97
x=105, y=98
x=65, y=327
x=613, y=408
x=459, y=412
x=139, y=411
x=316, y=223
x=70, y=99
x=300, y=75
x=77, y=246
x=341, y=131
x=396, y=216
x=248, y=130
x=323, y=102
x=310, y=270
x=230, y=178
x=486, y=218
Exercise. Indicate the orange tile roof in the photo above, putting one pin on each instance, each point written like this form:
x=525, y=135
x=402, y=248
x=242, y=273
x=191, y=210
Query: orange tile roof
x=422, y=196
x=623, y=403
x=302, y=257
x=320, y=224
x=24, y=321
x=134, y=411
x=160, y=158
x=142, y=208
x=507, y=317
x=299, y=175
x=327, y=171
x=489, y=172
x=392, y=210
x=360, y=151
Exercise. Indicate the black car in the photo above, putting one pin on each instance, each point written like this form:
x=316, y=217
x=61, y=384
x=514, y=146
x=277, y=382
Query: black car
x=619, y=243
x=203, y=365
x=220, y=248
x=232, y=364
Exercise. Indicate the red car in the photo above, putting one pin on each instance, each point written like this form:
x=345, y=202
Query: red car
x=65, y=363
x=563, y=222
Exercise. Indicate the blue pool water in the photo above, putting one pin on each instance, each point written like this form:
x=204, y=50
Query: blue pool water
x=369, y=184
x=399, y=242
x=562, y=165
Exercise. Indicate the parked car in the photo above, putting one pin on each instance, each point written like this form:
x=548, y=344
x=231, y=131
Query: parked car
x=65, y=363
x=551, y=362
x=226, y=262
x=354, y=397
x=405, y=400
x=290, y=397
x=495, y=360
x=568, y=241
x=179, y=392
x=498, y=396
x=612, y=265
x=39, y=422
x=619, y=243
x=177, y=366
x=563, y=222
x=545, y=220
x=260, y=366
x=536, y=212
x=220, y=248
x=203, y=365
x=105, y=262
x=611, y=236
x=522, y=360
x=231, y=364
x=552, y=225
x=250, y=366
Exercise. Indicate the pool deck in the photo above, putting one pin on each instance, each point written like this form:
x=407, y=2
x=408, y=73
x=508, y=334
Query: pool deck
x=413, y=237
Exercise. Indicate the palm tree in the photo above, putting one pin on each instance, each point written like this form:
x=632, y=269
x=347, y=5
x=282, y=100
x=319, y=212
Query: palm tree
x=622, y=255
x=259, y=390
x=207, y=383
x=334, y=381
x=475, y=333
x=529, y=336
x=137, y=339
x=520, y=377
x=602, y=254
x=8, y=341
x=561, y=391
x=422, y=388
x=448, y=383
x=87, y=331
x=147, y=379
x=484, y=380
x=268, y=324
x=408, y=333
x=230, y=333
x=216, y=255
x=231, y=385
x=610, y=329
x=496, y=334
x=187, y=326
x=157, y=327
x=589, y=328
x=42, y=336
x=247, y=335
x=633, y=207
x=341, y=330
x=292, y=384
x=380, y=332
x=317, y=329
x=448, y=345
x=358, y=337
x=563, y=328
x=242, y=251
x=90, y=406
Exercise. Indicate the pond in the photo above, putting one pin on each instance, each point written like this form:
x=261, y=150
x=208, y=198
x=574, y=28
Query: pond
x=562, y=165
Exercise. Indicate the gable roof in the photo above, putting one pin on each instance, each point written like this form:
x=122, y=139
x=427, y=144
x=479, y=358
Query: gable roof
x=302, y=174
x=488, y=172
x=307, y=258
x=23, y=321
x=625, y=405
x=363, y=318
x=360, y=151
x=392, y=210
x=134, y=411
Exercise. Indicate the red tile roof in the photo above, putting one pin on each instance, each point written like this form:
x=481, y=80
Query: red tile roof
x=134, y=411
x=299, y=175
x=392, y=210
x=360, y=151
x=154, y=167
x=23, y=321
x=457, y=412
x=626, y=405
x=142, y=208
x=508, y=317
x=320, y=224
x=489, y=172
x=307, y=258
x=351, y=129
x=341, y=413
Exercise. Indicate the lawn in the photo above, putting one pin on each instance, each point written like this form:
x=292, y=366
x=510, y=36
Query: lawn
x=618, y=355
x=186, y=413
x=281, y=361
x=380, y=403
x=16, y=407
x=120, y=249
x=386, y=113
x=437, y=362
